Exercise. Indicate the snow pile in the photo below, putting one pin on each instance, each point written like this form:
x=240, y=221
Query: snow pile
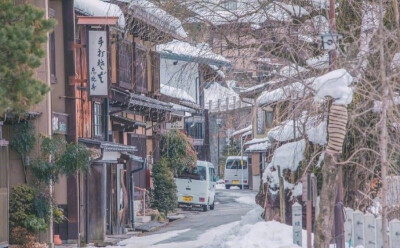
x=291, y=70
x=218, y=71
x=293, y=9
x=201, y=51
x=395, y=61
x=176, y=93
x=369, y=26
x=288, y=156
x=336, y=85
x=320, y=159
x=315, y=130
x=318, y=134
x=147, y=242
x=148, y=10
x=99, y=8
x=256, y=141
x=378, y=104
x=319, y=62
x=291, y=91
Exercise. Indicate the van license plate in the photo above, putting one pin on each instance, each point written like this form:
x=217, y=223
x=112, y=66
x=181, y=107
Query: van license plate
x=236, y=182
x=187, y=198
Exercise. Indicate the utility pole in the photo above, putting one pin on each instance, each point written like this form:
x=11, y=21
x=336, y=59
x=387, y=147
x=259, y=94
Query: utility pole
x=218, y=162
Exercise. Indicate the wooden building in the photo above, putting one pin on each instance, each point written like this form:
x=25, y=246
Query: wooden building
x=108, y=98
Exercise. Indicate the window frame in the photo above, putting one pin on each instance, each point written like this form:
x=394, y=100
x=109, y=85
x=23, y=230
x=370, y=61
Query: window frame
x=97, y=119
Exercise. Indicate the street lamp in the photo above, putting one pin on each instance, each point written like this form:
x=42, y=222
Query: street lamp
x=219, y=124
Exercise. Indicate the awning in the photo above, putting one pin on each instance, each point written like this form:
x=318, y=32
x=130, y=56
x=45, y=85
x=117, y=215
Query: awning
x=107, y=146
x=14, y=118
x=125, y=124
x=138, y=104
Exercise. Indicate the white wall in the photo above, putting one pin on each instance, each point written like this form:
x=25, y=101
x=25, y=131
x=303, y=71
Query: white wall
x=184, y=75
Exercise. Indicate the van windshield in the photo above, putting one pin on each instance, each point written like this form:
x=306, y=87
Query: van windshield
x=235, y=164
x=198, y=173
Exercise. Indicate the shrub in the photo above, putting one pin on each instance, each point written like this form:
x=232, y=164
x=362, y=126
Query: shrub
x=21, y=205
x=21, y=236
x=164, y=193
x=35, y=224
x=177, y=151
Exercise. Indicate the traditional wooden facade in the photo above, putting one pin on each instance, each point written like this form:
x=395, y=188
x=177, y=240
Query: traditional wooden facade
x=111, y=90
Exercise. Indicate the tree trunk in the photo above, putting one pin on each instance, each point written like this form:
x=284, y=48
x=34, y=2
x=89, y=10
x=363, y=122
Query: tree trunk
x=324, y=222
x=383, y=135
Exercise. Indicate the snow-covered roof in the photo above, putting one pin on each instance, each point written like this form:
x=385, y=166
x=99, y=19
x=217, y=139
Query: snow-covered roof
x=291, y=70
x=292, y=91
x=316, y=130
x=293, y=9
x=256, y=141
x=216, y=91
x=101, y=9
x=259, y=147
x=335, y=84
x=242, y=131
x=149, y=11
x=185, y=51
x=176, y=93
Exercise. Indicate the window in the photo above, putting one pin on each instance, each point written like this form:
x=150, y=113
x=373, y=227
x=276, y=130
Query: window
x=52, y=43
x=125, y=64
x=212, y=174
x=260, y=121
x=97, y=119
x=230, y=4
x=198, y=173
x=235, y=164
x=195, y=130
x=140, y=70
x=269, y=118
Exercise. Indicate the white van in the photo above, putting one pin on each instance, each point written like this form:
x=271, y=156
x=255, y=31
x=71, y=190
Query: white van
x=196, y=187
x=233, y=172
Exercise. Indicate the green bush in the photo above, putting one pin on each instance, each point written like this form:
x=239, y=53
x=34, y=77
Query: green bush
x=35, y=224
x=164, y=193
x=177, y=151
x=21, y=205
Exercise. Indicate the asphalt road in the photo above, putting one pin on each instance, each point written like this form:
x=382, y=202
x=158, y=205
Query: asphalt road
x=227, y=210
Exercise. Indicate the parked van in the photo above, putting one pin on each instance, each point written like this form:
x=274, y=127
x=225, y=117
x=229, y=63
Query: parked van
x=233, y=172
x=196, y=187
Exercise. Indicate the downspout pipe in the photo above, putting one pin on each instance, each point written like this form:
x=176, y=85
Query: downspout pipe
x=142, y=161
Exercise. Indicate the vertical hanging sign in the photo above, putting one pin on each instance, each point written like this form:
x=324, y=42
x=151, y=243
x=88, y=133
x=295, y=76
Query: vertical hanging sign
x=98, y=77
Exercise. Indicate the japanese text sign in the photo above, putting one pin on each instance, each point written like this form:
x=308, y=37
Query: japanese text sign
x=98, y=77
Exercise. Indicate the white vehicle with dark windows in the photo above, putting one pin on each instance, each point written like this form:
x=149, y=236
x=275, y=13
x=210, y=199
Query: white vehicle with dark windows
x=236, y=173
x=196, y=187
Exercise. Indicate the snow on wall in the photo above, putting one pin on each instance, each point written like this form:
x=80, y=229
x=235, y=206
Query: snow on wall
x=181, y=48
x=180, y=75
x=336, y=85
x=100, y=8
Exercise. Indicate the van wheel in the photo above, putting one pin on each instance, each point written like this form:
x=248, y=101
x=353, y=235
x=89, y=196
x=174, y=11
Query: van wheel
x=227, y=187
x=205, y=208
x=212, y=206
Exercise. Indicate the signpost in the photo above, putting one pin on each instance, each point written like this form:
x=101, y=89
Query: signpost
x=98, y=76
x=297, y=220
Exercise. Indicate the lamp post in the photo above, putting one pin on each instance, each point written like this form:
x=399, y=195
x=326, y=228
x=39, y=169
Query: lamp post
x=219, y=124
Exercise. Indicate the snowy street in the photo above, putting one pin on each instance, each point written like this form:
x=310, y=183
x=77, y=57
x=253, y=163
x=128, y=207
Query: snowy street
x=235, y=222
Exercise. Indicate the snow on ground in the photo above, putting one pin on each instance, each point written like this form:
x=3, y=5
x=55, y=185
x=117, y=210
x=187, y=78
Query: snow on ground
x=250, y=232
